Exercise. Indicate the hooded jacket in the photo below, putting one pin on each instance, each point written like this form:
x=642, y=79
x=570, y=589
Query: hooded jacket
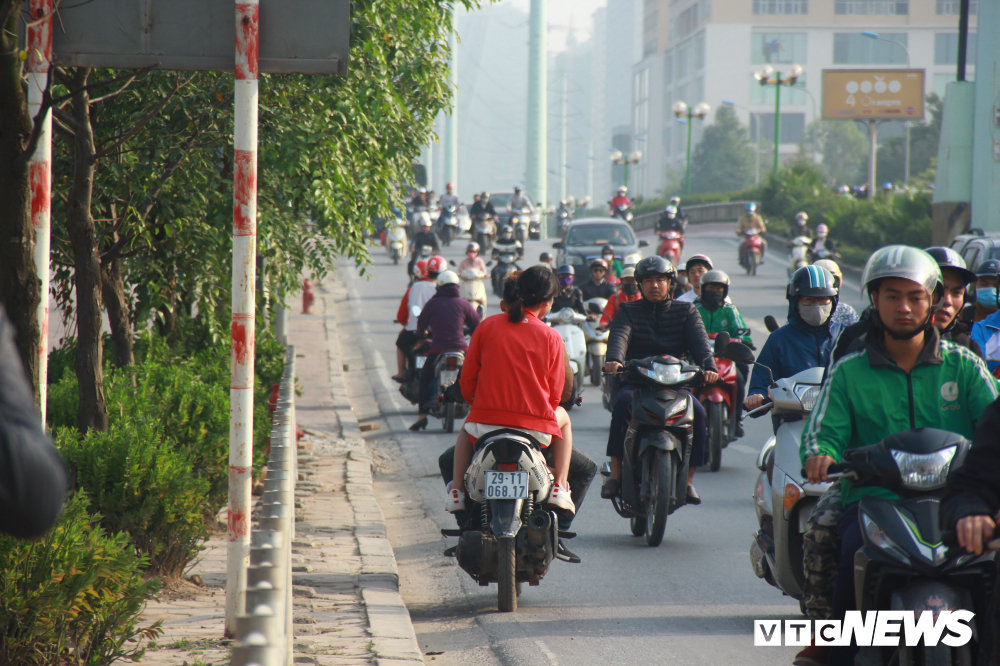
x=724, y=318
x=642, y=328
x=445, y=314
x=987, y=334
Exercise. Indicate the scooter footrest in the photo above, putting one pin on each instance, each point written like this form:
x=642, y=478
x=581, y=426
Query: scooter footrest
x=566, y=534
x=451, y=533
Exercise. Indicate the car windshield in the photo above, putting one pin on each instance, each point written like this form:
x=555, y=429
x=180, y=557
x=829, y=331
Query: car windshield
x=499, y=200
x=600, y=234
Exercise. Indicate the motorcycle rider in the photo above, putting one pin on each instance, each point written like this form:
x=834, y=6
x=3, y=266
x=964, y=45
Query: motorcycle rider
x=545, y=259
x=751, y=220
x=449, y=198
x=569, y=296
x=877, y=390
x=614, y=265
x=420, y=199
x=426, y=273
x=651, y=326
x=519, y=201
x=986, y=332
x=621, y=198
x=676, y=203
x=844, y=314
x=696, y=266
x=670, y=220
x=718, y=315
x=800, y=227
x=805, y=341
x=446, y=314
x=425, y=236
x=472, y=259
x=628, y=292
x=597, y=286
x=822, y=243
x=985, y=302
x=483, y=207
x=506, y=242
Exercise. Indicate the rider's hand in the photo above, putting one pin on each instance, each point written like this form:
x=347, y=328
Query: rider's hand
x=753, y=401
x=816, y=468
x=973, y=532
x=711, y=376
x=611, y=367
x=591, y=317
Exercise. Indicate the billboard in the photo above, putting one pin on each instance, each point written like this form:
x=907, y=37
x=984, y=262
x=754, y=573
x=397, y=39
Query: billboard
x=873, y=94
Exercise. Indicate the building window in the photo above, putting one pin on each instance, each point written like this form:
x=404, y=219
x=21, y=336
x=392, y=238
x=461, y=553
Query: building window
x=952, y=7
x=789, y=95
x=869, y=7
x=640, y=119
x=946, y=49
x=855, y=49
x=780, y=6
x=683, y=57
x=668, y=69
x=689, y=19
x=779, y=48
x=699, y=51
x=793, y=126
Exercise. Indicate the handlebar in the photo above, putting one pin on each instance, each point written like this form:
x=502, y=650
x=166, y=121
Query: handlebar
x=760, y=411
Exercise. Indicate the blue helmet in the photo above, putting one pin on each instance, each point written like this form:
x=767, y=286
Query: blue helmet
x=751, y=207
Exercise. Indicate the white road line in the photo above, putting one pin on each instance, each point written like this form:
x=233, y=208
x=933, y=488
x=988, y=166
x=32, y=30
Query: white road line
x=742, y=448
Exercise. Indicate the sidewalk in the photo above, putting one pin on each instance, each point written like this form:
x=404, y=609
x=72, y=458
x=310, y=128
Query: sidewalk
x=348, y=609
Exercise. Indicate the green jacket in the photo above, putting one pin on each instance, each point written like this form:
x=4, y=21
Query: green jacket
x=727, y=318
x=866, y=398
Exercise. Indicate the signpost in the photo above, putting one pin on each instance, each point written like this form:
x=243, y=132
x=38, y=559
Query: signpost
x=299, y=36
x=873, y=95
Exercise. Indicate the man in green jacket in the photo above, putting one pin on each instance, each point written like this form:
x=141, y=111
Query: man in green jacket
x=899, y=376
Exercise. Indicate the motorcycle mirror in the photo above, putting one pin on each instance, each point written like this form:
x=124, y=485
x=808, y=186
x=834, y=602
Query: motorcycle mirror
x=595, y=308
x=643, y=243
x=721, y=340
x=738, y=353
x=452, y=262
x=770, y=374
x=489, y=263
x=771, y=323
x=558, y=245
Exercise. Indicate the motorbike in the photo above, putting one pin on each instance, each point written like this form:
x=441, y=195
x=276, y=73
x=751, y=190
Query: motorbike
x=472, y=289
x=566, y=323
x=597, y=341
x=719, y=399
x=410, y=386
x=623, y=212
x=535, y=227
x=658, y=444
x=506, y=264
x=751, y=251
x=395, y=239
x=449, y=224
x=563, y=218
x=446, y=369
x=800, y=253
x=514, y=538
x=485, y=231
x=422, y=252
x=464, y=227
x=671, y=245
x=521, y=222
x=817, y=252
x=907, y=561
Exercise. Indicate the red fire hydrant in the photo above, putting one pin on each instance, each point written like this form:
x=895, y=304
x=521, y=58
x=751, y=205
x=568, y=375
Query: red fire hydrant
x=307, y=297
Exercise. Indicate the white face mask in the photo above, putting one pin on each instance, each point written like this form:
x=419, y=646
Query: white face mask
x=815, y=315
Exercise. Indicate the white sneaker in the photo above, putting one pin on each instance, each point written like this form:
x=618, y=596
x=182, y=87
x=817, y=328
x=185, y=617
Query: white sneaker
x=454, y=500
x=560, y=498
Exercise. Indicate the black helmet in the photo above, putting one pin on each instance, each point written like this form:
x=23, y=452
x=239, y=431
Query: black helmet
x=654, y=265
x=811, y=281
x=565, y=269
x=948, y=258
x=988, y=268
x=545, y=256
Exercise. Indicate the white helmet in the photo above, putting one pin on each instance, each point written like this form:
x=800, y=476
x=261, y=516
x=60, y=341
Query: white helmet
x=447, y=277
x=623, y=189
x=425, y=219
x=675, y=200
x=801, y=217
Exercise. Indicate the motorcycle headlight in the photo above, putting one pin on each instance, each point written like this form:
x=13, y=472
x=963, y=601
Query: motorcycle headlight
x=574, y=260
x=924, y=471
x=667, y=373
x=882, y=540
x=566, y=316
x=632, y=258
x=513, y=220
x=806, y=393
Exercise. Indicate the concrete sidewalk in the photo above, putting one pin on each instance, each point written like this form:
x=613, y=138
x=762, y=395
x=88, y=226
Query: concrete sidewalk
x=348, y=609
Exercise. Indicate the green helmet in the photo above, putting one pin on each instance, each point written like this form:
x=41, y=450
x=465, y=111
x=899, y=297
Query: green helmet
x=905, y=262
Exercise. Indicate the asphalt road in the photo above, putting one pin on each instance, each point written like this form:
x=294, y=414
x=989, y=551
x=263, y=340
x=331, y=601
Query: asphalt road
x=692, y=600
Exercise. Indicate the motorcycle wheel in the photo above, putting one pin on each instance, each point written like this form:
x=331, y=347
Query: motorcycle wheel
x=449, y=417
x=395, y=258
x=716, y=432
x=507, y=576
x=446, y=235
x=596, y=370
x=638, y=526
x=752, y=260
x=658, y=472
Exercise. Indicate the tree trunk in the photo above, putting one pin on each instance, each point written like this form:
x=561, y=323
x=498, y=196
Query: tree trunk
x=20, y=289
x=117, y=308
x=87, y=263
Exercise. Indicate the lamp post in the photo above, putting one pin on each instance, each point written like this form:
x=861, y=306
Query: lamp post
x=768, y=77
x=756, y=161
x=685, y=114
x=618, y=157
x=906, y=167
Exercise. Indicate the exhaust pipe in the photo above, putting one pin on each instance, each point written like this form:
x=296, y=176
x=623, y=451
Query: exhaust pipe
x=539, y=524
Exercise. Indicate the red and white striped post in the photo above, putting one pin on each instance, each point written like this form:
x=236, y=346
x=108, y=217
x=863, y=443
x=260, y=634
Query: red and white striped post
x=244, y=281
x=40, y=175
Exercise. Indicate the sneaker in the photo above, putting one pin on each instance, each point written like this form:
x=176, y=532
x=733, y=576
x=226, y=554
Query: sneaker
x=560, y=498
x=454, y=500
x=814, y=655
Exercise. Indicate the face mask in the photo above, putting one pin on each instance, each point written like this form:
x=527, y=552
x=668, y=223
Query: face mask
x=630, y=289
x=712, y=299
x=608, y=258
x=566, y=281
x=987, y=297
x=815, y=315
x=471, y=255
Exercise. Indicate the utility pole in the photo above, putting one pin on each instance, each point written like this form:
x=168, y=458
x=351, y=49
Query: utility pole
x=590, y=172
x=451, y=120
x=563, y=136
x=536, y=169
x=872, y=156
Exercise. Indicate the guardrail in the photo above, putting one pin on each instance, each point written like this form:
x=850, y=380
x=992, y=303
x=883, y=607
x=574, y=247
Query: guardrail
x=264, y=631
x=729, y=211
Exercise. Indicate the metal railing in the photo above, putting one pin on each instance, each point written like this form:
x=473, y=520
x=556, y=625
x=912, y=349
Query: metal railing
x=264, y=631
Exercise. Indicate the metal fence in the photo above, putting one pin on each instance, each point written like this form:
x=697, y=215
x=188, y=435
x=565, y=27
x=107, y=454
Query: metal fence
x=729, y=211
x=264, y=629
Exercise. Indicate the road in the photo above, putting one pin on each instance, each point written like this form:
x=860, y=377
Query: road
x=690, y=601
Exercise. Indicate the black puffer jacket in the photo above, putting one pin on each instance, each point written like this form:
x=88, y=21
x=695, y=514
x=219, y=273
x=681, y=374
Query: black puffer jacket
x=643, y=328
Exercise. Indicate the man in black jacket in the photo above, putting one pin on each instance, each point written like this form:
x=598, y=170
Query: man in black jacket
x=32, y=478
x=597, y=286
x=570, y=296
x=653, y=326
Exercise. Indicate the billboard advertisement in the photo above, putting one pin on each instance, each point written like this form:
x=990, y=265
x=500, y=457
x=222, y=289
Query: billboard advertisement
x=873, y=94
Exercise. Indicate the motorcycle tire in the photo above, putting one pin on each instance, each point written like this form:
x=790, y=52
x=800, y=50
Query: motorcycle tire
x=716, y=433
x=446, y=235
x=449, y=417
x=752, y=260
x=596, y=370
x=507, y=575
x=638, y=526
x=658, y=472
x=535, y=235
x=395, y=258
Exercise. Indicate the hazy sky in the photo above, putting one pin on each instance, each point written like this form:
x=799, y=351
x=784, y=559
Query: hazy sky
x=564, y=13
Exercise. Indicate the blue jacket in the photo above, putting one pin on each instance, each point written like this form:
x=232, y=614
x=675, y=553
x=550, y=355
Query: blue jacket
x=794, y=347
x=987, y=334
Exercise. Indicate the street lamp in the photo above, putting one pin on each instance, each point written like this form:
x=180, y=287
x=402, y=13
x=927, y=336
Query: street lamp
x=729, y=102
x=617, y=157
x=765, y=77
x=685, y=113
x=906, y=123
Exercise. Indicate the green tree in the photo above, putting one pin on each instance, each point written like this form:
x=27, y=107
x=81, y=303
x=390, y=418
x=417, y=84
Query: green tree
x=843, y=146
x=924, y=137
x=723, y=159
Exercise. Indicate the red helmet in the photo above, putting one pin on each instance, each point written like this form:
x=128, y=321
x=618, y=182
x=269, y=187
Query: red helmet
x=420, y=269
x=599, y=262
x=437, y=264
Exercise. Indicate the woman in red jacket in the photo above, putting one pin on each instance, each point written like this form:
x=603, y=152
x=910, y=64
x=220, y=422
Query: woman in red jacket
x=518, y=383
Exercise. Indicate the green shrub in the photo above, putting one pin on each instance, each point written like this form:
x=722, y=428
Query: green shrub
x=72, y=596
x=141, y=485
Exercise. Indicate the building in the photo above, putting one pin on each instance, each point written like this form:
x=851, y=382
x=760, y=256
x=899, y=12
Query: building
x=708, y=51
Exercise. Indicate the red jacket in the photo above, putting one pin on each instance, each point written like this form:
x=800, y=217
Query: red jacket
x=403, y=313
x=513, y=374
x=612, y=307
x=617, y=201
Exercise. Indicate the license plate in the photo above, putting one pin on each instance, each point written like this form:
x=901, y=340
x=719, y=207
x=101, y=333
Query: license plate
x=447, y=377
x=506, y=485
x=421, y=360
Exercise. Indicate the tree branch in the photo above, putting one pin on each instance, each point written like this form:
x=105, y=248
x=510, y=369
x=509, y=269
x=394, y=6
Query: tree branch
x=67, y=120
x=115, y=93
x=68, y=82
x=104, y=152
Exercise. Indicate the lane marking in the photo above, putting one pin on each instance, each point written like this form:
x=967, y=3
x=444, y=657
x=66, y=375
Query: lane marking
x=742, y=448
